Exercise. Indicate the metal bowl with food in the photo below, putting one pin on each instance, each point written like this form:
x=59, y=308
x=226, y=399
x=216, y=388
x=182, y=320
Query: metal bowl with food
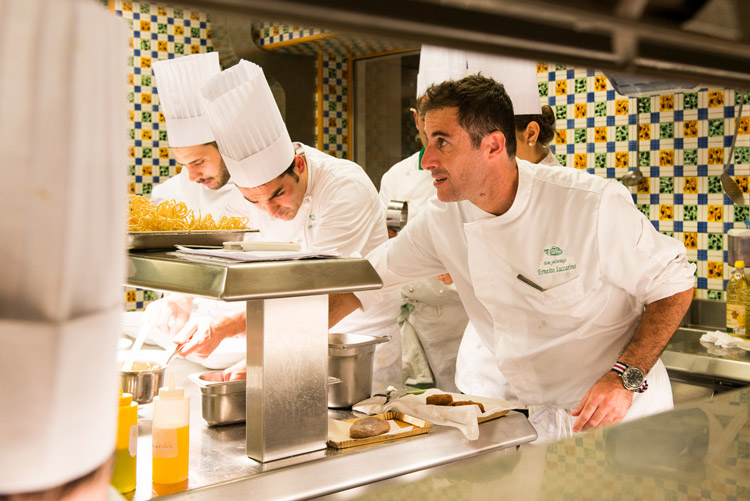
x=144, y=377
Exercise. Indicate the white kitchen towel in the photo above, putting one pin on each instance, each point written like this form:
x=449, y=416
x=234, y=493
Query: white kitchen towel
x=464, y=417
x=720, y=338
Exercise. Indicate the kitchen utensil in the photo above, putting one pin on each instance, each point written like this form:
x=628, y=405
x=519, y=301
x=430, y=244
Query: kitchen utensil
x=350, y=358
x=634, y=177
x=223, y=402
x=142, y=334
x=150, y=240
x=142, y=380
x=396, y=215
x=727, y=182
x=172, y=354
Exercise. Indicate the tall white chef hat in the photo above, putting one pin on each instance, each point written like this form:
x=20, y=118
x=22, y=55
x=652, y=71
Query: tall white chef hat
x=247, y=124
x=178, y=81
x=438, y=64
x=58, y=341
x=518, y=76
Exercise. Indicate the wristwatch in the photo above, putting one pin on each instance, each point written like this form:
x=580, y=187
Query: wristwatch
x=632, y=377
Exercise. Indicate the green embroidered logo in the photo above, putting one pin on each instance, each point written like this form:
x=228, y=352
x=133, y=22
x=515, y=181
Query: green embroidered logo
x=553, y=251
x=312, y=216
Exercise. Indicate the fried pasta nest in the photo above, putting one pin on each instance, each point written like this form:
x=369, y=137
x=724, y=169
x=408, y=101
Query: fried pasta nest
x=171, y=215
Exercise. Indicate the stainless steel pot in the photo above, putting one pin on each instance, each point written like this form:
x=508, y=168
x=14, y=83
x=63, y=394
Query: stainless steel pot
x=143, y=380
x=350, y=358
x=396, y=215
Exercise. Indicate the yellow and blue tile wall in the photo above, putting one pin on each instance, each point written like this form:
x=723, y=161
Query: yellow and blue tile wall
x=158, y=32
x=683, y=141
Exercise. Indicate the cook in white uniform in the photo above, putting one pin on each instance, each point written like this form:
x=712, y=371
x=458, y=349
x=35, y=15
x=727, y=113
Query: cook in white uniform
x=432, y=319
x=292, y=192
x=560, y=274
x=204, y=183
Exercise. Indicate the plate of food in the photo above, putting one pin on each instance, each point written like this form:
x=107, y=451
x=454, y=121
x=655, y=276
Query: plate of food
x=374, y=429
x=167, y=224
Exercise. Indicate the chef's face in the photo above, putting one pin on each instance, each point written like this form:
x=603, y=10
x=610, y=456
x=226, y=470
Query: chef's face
x=455, y=164
x=281, y=197
x=204, y=164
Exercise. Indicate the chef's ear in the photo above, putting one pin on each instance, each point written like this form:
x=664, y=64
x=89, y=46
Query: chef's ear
x=299, y=164
x=494, y=142
x=531, y=133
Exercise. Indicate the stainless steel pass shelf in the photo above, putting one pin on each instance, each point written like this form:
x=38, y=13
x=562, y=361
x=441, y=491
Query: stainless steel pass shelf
x=162, y=270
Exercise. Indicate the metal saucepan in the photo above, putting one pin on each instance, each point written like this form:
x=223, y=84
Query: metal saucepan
x=396, y=215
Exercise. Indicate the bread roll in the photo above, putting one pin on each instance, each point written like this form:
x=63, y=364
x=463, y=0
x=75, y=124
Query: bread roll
x=468, y=402
x=369, y=427
x=440, y=399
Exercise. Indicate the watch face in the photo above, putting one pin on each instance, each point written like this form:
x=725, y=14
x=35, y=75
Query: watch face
x=632, y=378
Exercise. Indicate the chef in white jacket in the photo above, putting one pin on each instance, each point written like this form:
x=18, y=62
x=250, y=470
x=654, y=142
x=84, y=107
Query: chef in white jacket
x=293, y=193
x=203, y=184
x=563, y=278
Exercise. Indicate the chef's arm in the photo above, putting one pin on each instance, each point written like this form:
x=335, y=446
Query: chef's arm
x=202, y=336
x=607, y=401
x=340, y=305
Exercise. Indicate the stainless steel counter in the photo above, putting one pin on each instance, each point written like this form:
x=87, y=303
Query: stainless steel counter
x=686, y=356
x=220, y=468
x=697, y=451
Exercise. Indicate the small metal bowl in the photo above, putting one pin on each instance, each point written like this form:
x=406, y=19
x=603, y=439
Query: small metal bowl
x=143, y=380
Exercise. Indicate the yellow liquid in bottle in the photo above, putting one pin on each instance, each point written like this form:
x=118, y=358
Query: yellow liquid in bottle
x=123, y=476
x=170, y=459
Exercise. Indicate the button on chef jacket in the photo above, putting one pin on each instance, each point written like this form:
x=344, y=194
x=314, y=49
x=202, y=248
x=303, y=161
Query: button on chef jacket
x=195, y=196
x=341, y=211
x=581, y=239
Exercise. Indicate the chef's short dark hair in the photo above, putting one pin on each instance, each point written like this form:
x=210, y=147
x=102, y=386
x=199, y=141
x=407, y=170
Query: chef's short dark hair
x=483, y=107
x=290, y=171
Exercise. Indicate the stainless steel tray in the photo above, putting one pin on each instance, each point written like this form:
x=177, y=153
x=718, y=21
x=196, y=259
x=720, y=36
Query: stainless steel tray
x=151, y=240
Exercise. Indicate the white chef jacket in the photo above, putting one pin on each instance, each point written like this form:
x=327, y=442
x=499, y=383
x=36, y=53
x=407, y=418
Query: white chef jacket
x=581, y=239
x=476, y=372
x=340, y=212
x=198, y=198
x=433, y=317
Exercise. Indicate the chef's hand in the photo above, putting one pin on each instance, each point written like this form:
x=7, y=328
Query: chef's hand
x=199, y=336
x=170, y=313
x=445, y=278
x=605, y=403
x=236, y=372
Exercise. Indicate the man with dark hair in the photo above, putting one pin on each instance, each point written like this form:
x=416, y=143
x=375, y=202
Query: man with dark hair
x=565, y=281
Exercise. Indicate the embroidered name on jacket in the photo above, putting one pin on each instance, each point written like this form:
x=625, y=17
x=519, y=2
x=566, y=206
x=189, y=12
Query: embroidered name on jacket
x=554, y=262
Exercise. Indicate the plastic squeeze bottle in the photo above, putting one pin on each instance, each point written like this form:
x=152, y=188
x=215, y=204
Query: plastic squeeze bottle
x=738, y=297
x=170, y=440
x=123, y=473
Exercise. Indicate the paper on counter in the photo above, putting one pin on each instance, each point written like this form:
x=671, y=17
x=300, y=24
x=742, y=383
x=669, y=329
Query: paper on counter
x=464, y=417
x=252, y=256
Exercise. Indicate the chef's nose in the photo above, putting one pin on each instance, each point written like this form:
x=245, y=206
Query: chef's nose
x=428, y=159
x=195, y=173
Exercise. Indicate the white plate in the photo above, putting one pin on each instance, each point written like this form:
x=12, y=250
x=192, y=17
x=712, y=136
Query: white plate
x=745, y=345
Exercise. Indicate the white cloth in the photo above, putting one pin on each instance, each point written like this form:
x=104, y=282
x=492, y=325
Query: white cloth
x=577, y=236
x=435, y=312
x=720, y=338
x=464, y=417
x=178, y=82
x=550, y=159
x=197, y=197
x=247, y=124
x=62, y=139
x=341, y=211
